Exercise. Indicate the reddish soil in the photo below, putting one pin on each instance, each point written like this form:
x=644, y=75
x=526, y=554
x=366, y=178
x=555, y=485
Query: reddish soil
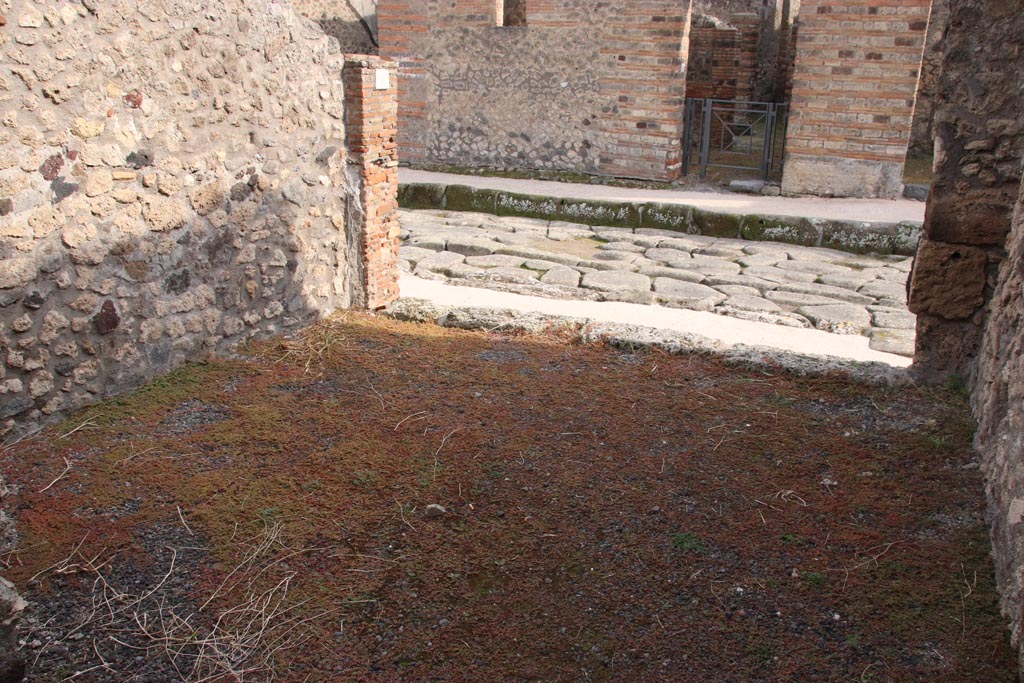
x=610, y=515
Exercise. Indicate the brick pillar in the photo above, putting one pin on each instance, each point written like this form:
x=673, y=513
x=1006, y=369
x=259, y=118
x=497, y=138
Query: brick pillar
x=371, y=123
x=748, y=27
x=857, y=68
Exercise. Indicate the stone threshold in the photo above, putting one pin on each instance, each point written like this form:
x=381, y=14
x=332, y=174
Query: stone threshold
x=857, y=237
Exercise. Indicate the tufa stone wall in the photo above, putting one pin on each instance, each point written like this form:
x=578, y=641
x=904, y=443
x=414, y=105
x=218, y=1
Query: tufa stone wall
x=173, y=179
x=854, y=86
x=968, y=283
x=921, y=135
x=582, y=86
x=340, y=20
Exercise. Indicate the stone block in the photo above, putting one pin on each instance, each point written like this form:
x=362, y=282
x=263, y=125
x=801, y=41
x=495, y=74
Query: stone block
x=859, y=237
x=465, y=198
x=948, y=280
x=715, y=224
x=787, y=229
x=976, y=216
x=839, y=177
x=421, y=196
x=673, y=217
x=590, y=212
x=526, y=205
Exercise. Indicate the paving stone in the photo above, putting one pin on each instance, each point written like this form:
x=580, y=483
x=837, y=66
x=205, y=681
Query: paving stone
x=666, y=255
x=657, y=232
x=530, y=253
x=646, y=241
x=747, y=302
x=439, y=261
x=624, y=256
x=566, y=234
x=720, y=251
x=767, y=258
x=738, y=290
x=882, y=290
x=687, y=294
x=905, y=265
x=612, y=235
x=512, y=274
x=838, y=318
x=708, y=265
x=688, y=243
x=886, y=274
x=643, y=261
x=829, y=291
x=768, y=248
x=743, y=279
x=414, y=254
x=616, y=281
x=823, y=254
x=892, y=318
x=462, y=271
x=561, y=276
x=779, y=275
x=471, y=246
x=674, y=273
x=516, y=239
x=632, y=296
x=853, y=280
x=795, y=299
x=606, y=265
x=405, y=266
x=622, y=246
x=495, y=261
x=816, y=267
x=540, y=264
x=900, y=342
x=428, y=242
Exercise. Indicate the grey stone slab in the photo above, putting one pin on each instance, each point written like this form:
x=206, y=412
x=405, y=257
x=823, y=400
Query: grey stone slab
x=657, y=232
x=720, y=251
x=838, y=318
x=818, y=254
x=686, y=294
x=666, y=255
x=775, y=274
x=541, y=264
x=674, y=273
x=462, y=271
x=561, y=276
x=887, y=274
x=688, y=243
x=631, y=296
x=708, y=265
x=512, y=274
x=838, y=293
x=566, y=234
x=643, y=261
x=743, y=280
x=883, y=290
x=892, y=318
x=816, y=267
x=428, y=242
x=530, y=253
x=905, y=265
x=516, y=239
x=795, y=299
x=612, y=235
x=439, y=261
x=495, y=261
x=786, y=319
x=405, y=266
x=606, y=265
x=616, y=281
x=622, y=246
x=747, y=302
x=414, y=254
x=900, y=342
x=471, y=246
x=738, y=290
x=853, y=280
x=623, y=256
x=768, y=248
x=767, y=258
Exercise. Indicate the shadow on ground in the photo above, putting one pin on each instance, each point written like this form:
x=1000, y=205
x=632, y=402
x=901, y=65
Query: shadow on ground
x=609, y=515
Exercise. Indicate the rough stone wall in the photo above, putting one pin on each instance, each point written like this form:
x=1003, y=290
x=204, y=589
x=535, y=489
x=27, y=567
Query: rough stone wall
x=173, y=179
x=340, y=20
x=857, y=69
x=921, y=136
x=979, y=146
x=582, y=87
x=968, y=284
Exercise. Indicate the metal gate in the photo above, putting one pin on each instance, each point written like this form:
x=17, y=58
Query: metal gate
x=729, y=134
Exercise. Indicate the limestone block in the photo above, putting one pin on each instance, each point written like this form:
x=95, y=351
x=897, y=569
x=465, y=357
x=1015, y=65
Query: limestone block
x=948, y=280
x=85, y=128
x=17, y=272
x=164, y=214
x=98, y=182
x=207, y=197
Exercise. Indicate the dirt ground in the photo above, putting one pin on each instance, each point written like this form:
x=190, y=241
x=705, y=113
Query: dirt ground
x=609, y=515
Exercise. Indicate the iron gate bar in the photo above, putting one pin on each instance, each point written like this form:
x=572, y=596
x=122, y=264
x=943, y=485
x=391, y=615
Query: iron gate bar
x=704, y=114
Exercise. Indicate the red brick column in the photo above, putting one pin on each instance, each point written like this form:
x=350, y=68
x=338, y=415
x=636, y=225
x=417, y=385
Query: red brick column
x=371, y=123
x=857, y=68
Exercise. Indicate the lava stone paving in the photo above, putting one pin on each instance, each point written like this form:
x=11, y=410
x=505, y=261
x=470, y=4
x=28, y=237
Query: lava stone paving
x=769, y=282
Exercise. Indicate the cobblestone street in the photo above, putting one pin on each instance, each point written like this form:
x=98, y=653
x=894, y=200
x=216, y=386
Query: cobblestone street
x=768, y=282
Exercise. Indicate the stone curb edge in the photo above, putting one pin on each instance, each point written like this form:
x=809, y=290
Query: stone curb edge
x=623, y=336
x=856, y=237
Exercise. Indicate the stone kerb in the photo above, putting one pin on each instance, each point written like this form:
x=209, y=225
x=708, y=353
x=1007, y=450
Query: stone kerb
x=853, y=236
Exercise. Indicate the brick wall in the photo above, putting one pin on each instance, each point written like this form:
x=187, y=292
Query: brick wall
x=371, y=108
x=855, y=80
x=582, y=86
x=714, y=62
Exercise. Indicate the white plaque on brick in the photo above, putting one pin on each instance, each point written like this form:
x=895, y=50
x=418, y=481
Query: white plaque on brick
x=382, y=79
